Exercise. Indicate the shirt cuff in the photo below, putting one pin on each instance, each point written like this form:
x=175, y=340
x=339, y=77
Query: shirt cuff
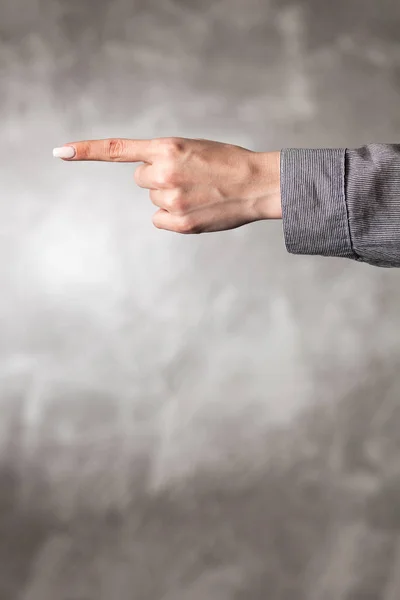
x=314, y=211
x=373, y=200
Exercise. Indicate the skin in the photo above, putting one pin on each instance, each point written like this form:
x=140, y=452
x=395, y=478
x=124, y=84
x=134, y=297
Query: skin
x=197, y=185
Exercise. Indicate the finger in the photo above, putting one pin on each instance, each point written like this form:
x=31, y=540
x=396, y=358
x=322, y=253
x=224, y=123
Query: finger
x=109, y=150
x=169, y=200
x=162, y=219
x=157, y=198
x=144, y=177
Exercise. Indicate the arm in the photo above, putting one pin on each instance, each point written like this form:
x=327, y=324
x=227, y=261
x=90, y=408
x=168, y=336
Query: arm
x=334, y=202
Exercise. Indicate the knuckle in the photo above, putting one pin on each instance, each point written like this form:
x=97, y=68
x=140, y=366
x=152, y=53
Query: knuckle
x=115, y=148
x=84, y=151
x=172, y=147
x=154, y=197
x=175, y=203
x=187, y=225
x=161, y=180
x=166, y=176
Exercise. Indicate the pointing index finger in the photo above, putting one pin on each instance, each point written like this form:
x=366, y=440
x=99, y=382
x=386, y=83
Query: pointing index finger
x=109, y=150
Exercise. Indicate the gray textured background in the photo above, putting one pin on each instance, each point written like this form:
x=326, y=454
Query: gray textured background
x=191, y=418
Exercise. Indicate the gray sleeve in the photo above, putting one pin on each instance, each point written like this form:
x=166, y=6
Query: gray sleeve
x=343, y=203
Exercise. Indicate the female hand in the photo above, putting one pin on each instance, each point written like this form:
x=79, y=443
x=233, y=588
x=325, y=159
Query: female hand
x=197, y=185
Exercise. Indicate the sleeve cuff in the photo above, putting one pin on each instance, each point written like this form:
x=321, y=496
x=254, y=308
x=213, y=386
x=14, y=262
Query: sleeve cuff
x=314, y=211
x=373, y=200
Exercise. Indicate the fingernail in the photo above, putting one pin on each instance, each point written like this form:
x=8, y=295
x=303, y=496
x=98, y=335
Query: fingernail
x=64, y=152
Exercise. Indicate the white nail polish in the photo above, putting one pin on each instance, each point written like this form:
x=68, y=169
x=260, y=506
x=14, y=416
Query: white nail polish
x=64, y=152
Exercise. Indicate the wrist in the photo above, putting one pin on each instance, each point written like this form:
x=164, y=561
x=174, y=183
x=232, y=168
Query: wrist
x=267, y=185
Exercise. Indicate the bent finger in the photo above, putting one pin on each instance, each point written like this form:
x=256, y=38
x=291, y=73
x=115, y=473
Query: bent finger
x=157, y=198
x=162, y=219
x=144, y=177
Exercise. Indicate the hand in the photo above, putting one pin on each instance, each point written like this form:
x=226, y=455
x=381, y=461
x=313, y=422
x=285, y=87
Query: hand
x=197, y=185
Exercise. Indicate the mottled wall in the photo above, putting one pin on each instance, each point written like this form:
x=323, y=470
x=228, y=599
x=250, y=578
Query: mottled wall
x=200, y=416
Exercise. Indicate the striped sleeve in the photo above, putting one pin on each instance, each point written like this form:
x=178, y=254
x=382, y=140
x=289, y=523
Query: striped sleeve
x=343, y=203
